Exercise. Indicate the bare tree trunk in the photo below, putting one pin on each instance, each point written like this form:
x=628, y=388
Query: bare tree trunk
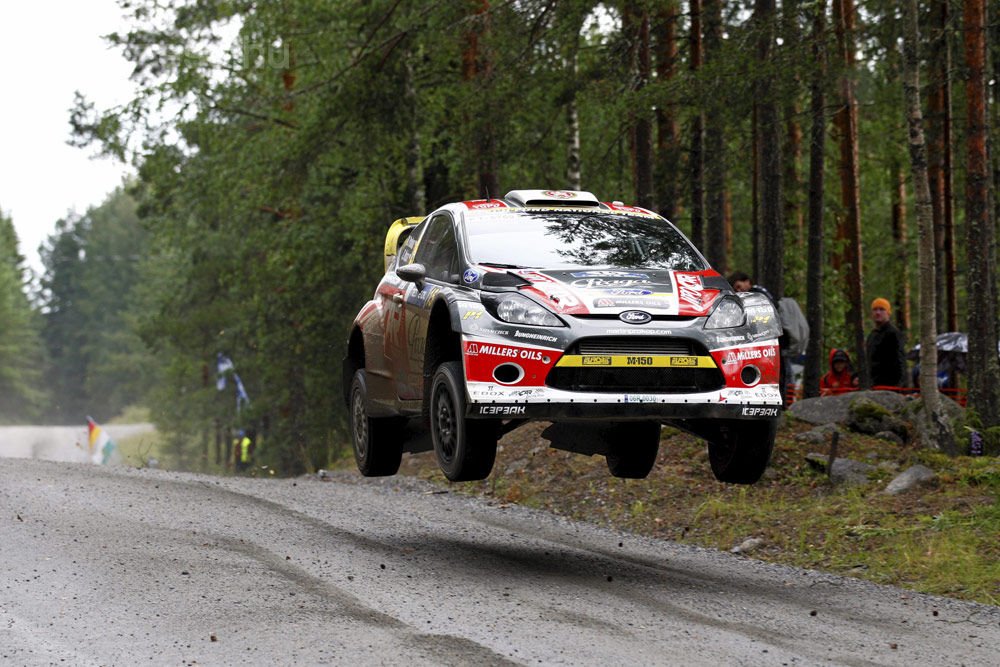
x=635, y=24
x=573, y=20
x=771, y=205
x=477, y=69
x=939, y=154
x=696, y=159
x=667, y=135
x=815, y=354
x=849, y=229
x=715, y=154
x=984, y=374
x=899, y=238
x=574, y=179
x=942, y=431
x=416, y=194
x=791, y=183
x=755, y=242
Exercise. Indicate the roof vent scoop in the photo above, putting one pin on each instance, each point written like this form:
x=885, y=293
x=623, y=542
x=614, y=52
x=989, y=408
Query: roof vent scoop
x=572, y=198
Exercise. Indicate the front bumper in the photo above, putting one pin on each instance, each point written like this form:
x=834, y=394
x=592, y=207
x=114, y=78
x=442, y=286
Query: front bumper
x=491, y=401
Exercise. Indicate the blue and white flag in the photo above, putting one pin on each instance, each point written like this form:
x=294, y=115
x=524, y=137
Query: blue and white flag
x=224, y=365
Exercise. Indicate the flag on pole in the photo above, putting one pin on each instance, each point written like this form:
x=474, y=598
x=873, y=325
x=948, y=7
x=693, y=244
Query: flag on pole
x=99, y=445
x=223, y=366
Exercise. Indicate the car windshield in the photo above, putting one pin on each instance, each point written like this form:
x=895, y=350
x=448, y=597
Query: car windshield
x=554, y=239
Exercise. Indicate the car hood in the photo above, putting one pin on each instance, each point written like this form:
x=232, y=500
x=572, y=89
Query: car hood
x=612, y=291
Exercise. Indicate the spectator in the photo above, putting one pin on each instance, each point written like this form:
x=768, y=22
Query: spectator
x=841, y=376
x=884, y=348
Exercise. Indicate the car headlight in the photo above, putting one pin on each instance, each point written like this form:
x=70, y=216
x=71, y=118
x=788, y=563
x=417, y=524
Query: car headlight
x=517, y=309
x=728, y=314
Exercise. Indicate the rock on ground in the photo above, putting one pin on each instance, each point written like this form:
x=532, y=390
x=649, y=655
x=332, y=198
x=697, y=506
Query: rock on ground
x=910, y=478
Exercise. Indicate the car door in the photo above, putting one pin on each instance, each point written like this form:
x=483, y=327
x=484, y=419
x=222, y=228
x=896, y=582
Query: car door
x=438, y=253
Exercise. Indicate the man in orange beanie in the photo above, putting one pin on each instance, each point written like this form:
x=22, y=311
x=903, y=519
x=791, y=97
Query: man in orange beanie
x=884, y=348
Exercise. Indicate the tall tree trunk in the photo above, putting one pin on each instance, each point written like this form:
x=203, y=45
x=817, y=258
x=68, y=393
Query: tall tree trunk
x=696, y=159
x=715, y=154
x=772, y=226
x=791, y=183
x=667, y=135
x=815, y=354
x=635, y=24
x=939, y=164
x=899, y=238
x=755, y=242
x=941, y=429
x=984, y=374
x=477, y=70
x=416, y=194
x=849, y=229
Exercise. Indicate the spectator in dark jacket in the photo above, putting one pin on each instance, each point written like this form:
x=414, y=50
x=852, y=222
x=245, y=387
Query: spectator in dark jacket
x=884, y=348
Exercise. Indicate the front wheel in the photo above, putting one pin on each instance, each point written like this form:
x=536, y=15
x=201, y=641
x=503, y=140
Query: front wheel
x=378, y=442
x=465, y=448
x=632, y=449
x=739, y=451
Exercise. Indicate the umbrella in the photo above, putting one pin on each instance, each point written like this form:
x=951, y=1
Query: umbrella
x=952, y=341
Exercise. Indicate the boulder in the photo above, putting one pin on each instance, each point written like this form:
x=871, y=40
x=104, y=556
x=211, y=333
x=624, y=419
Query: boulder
x=844, y=471
x=910, y=478
x=866, y=415
x=834, y=409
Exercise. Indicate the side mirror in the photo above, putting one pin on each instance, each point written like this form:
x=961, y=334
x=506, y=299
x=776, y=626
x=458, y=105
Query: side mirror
x=414, y=273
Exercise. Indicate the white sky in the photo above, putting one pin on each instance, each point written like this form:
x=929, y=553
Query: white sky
x=47, y=51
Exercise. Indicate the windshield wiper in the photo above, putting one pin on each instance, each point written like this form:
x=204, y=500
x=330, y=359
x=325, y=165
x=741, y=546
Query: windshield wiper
x=497, y=265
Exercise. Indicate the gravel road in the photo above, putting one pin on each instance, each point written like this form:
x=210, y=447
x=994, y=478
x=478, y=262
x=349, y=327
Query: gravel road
x=107, y=565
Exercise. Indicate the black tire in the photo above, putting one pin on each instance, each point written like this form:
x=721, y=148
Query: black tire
x=633, y=448
x=378, y=442
x=465, y=448
x=740, y=450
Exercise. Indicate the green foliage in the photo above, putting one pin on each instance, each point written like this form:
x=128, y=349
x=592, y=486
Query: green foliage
x=21, y=355
x=272, y=160
x=97, y=363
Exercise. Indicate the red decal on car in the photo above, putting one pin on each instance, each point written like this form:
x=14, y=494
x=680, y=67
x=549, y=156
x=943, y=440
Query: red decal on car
x=732, y=361
x=481, y=204
x=482, y=360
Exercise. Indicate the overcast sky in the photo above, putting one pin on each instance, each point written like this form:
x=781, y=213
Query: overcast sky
x=47, y=51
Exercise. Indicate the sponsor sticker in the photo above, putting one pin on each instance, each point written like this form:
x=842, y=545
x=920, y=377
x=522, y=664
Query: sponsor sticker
x=472, y=315
x=760, y=412
x=633, y=302
x=559, y=194
x=501, y=409
x=484, y=204
x=630, y=292
x=609, y=274
x=689, y=288
x=470, y=276
x=635, y=361
x=476, y=349
x=534, y=336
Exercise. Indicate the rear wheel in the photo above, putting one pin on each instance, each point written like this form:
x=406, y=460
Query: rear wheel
x=632, y=449
x=739, y=451
x=378, y=442
x=465, y=448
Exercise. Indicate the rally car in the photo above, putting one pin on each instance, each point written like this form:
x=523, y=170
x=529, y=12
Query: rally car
x=551, y=305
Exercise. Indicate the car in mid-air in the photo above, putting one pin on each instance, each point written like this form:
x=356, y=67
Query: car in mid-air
x=598, y=317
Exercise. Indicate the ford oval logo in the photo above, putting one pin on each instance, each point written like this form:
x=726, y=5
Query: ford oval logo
x=635, y=317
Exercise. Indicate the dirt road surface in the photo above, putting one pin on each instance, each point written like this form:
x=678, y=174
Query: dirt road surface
x=107, y=565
